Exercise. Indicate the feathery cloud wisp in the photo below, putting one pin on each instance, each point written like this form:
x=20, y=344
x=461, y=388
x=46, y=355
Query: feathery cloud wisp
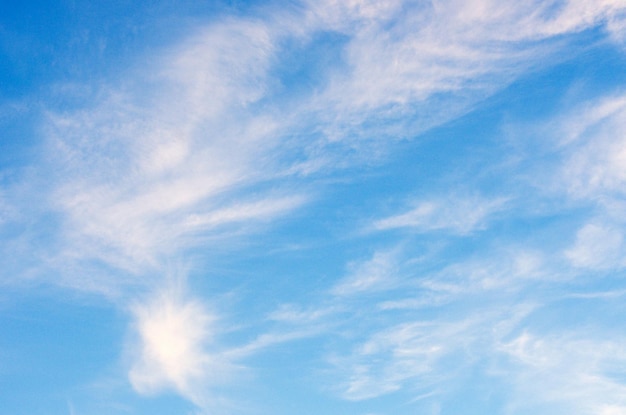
x=237, y=124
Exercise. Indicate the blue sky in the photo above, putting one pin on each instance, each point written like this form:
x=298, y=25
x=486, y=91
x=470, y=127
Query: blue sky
x=313, y=207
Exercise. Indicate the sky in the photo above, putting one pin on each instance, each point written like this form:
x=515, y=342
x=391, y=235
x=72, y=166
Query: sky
x=338, y=207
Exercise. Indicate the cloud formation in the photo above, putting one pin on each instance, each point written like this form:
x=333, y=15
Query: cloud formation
x=249, y=119
x=455, y=214
x=174, y=347
x=168, y=152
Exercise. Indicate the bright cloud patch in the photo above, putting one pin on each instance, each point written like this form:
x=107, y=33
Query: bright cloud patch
x=172, y=351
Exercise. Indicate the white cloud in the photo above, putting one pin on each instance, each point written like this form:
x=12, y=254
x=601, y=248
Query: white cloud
x=291, y=314
x=598, y=167
x=597, y=247
x=267, y=340
x=580, y=371
x=591, y=141
x=585, y=163
x=175, y=348
x=503, y=272
x=434, y=60
x=193, y=141
x=571, y=371
x=378, y=273
x=435, y=328
x=387, y=360
x=455, y=214
x=264, y=209
x=575, y=126
x=612, y=410
x=5, y=210
x=176, y=144
x=151, y=164
x=423, y=356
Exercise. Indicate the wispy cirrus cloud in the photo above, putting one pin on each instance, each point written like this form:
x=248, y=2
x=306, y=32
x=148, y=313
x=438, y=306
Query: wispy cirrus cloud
x=170, y=148
x=443, y=340
x=577, y=373
x=597, y=247
x=434, y=60
x=586, y=170
x=170, y=154
x=508, y=290
x=580, y=149
x=202, y=140
x=152, y=165
x=455, y=214
x=596, y=166
x=390, y=359
x=5, y=210
x=378, y=273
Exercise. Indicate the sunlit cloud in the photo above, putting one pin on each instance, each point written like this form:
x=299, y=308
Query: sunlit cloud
x=174, y=347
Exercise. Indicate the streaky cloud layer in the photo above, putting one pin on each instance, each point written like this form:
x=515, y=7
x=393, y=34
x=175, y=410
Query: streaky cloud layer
x=372, y=217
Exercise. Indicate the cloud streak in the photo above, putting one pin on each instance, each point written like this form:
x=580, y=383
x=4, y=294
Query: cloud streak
x=454, y=214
